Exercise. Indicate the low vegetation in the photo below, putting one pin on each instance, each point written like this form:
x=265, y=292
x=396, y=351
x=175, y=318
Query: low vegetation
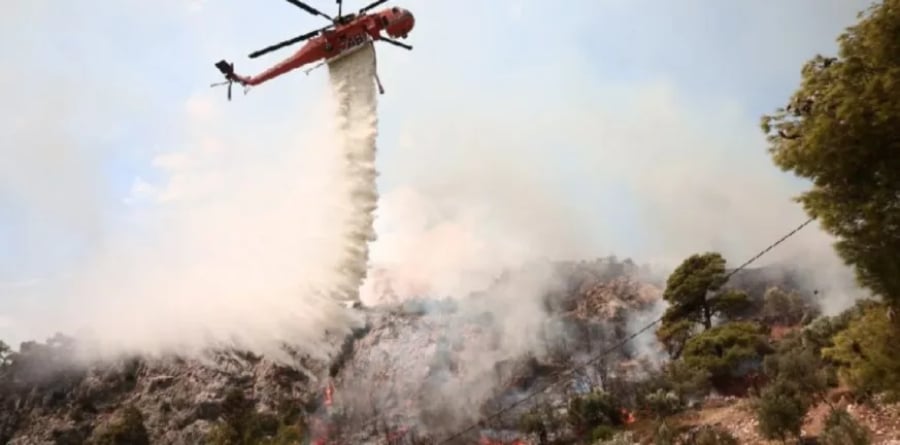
x=241, y=424
x=126, y=429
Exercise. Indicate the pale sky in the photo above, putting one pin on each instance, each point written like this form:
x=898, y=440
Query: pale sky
x=513, y=129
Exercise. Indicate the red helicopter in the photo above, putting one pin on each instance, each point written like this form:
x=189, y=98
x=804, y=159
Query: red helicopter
x=345, y=35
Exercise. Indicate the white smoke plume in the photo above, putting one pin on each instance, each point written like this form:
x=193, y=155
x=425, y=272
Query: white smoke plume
x=438, y=368
x=241, y=245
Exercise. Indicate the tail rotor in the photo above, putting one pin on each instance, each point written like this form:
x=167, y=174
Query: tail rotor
x=227, y=70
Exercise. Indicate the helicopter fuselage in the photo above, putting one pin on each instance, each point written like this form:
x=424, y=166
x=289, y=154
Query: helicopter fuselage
x=349, y=35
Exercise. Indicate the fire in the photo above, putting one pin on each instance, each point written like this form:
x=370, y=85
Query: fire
x=628, y=416
x=329, y=394
x=321, y=427
x=320, y=430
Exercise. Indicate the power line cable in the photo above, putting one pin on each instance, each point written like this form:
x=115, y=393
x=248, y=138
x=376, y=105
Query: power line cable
x=616, y=346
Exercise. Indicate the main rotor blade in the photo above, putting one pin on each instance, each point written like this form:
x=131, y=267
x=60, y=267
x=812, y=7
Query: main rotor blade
x=372, y=5
x=309, y=9
x=280, y=45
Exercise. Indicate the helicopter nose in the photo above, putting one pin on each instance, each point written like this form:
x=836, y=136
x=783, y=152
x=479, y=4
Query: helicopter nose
x=402, y=24
x=406, y=23
x=411, y=21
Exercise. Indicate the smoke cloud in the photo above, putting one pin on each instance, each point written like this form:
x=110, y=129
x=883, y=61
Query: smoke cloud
x=491, y=198
x=236, y=247
x=437, y=369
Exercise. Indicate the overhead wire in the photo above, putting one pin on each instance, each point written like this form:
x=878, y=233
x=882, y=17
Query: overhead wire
x=562, y=377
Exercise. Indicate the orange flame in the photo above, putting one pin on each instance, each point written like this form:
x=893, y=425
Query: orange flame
x=320, y=430
x=628, y=416
x=321, y=426
x=329, y=393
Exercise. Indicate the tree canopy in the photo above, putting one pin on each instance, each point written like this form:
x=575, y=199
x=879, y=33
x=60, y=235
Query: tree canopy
x=841, y=130
x=691, y=287
x=869, y=350
x=727, y=351
x=694, y=294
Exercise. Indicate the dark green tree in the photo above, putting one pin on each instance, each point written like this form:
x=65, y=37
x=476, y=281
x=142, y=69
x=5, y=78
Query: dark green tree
x=841, y=130
x=868, y=352
x=695, y=297
x=727, y=351
x=692, y=290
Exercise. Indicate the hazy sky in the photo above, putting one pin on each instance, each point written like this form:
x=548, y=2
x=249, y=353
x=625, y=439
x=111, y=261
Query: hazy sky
x=514, y=129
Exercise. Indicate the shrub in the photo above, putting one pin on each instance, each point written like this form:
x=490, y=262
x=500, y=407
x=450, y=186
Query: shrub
x=286, y=435
x=664, y=434
x=710, y=435
x=788, y=308
x=799, y=370
x=127, y=429
x=663, y=403
x=241, y=423
x=593, y=410
x=621, y=438
x=727, y=351
x=538, y=421
x=842, y=429
x=820, y=333
x=671, y=389
x=531, y=422
x=868, y=352
x=602, y=432
x=780, y=412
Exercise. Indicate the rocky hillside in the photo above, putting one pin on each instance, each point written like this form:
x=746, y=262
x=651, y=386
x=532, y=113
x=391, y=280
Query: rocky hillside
x=420, y=370
x=423, y=365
